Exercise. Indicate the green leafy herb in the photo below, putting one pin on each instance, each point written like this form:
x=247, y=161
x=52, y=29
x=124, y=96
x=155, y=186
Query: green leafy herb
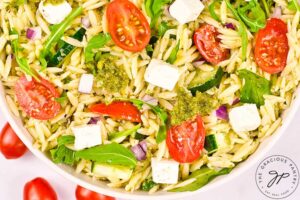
x=202, y=176
x=162, y=28
x=22, y=62
x=255, y=87
x=56, y=34
x=65, y=139
x=139, y=136
x=173, y=56
x=95, y=42
x=154, y=9
x=114, y=154
x=62, y=154
x=115, y=136
x=253, y=15
x=267, y=4
x=148, y=184
x=63, y=97
x=242, y=29
x=163, y=116
x=294, y=5
x=211, y=9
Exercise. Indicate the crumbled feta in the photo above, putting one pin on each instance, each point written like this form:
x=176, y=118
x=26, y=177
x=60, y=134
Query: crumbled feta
x=164, y=171
x=54, y=14
x=87, y=136
x=162, y=74
x=86, y=83
x=244, y=118
x=185, y=11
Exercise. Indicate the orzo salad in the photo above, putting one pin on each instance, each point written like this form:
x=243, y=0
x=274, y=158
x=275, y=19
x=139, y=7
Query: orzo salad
x=150, y=94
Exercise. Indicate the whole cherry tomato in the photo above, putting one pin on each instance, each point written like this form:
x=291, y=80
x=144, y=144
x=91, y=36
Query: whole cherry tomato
x=39, y=189
x=85, y=194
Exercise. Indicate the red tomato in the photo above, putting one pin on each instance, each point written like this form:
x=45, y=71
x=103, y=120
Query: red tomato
x=127, y=25
x=208, y=44
x=37, y=98
x=85, y=194
x=118, y=110
x=271, y=48
x=186, y=141
x=39, y=189
x=10, y=145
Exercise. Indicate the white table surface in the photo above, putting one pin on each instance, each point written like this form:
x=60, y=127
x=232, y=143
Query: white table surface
x=15, y=173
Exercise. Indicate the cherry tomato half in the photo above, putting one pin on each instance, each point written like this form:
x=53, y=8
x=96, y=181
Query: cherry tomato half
x=186, y=141
x=271, y=48
x=118, y=110
x=127, y=25
x=85, y=194
x=10, y=144
x=39, y=189
x=37, y=98
x=208, y=44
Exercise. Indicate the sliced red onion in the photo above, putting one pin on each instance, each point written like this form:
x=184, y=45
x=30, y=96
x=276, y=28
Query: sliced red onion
x=277, y=12
x=94, y=120
x=150, y=100
x=222, y=112
x=86, y=22
x=140, y=150
x=230, y=26
x=236, y=101
x=34, y=33
x=197, y=64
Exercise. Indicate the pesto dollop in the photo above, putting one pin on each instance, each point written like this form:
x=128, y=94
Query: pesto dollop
x=111, y=77
x=53, y=2
x=188, y=106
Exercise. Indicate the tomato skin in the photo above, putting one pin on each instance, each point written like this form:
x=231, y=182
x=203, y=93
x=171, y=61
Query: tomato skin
x=186, y=141
x=85, y=194
x=37, y=99
x=271, y=48
x=208, y=44
x=127, y=25
x=38, y=189
x=118, y=110
x=10, y=144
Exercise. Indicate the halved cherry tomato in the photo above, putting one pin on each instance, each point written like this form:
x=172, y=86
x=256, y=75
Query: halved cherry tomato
x=186, y=141
x=10, y=144
x=37, y=98
x=118, y=110
x=39, y=189
x=127, y=25
x=85, y=194
x=208, y=44
x=271, y=48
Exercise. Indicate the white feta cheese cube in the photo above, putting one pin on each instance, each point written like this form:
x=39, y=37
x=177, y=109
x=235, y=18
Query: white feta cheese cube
x=162, y=74
x=86, y=83
x=54, y=13
x=244, y=118
x=185, y=11
x=87, y=136
x=164, y=171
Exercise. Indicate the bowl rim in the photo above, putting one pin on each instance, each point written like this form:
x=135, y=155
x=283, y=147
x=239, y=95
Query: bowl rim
x=264, y=147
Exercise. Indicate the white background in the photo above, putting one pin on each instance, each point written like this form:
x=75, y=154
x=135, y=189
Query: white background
x=15, y=173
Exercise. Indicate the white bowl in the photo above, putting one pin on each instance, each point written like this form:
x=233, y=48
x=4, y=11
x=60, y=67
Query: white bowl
x=101, y=187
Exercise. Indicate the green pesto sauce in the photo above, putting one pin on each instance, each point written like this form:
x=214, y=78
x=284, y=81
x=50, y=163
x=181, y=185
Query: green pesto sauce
x=110, y=77
x=188, y=106
x=53, y=2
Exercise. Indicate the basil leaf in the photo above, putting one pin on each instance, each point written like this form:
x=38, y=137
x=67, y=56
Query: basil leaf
x=255, y=87
x=154, y=9
x=202, y=176
x=56, y=34
x=95, y=42
x=62, y=154
x=173, y=56
x=115, y=136
x=113, y=153
x=211, y=9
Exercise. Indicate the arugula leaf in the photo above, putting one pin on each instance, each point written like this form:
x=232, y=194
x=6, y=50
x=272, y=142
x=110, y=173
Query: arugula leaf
x=22, y=62
x=255, y=87
x=148, y=184
x=62, y=154
x=163, y=116
x=267, y=4
x=65, y=139
x=202, y=176
x=253, y=15
x=162, y=28
x=56, y=34
x=173, y=56
x=211, y=9
x=242, y=29
x=148, y=7
x=115, y=136
x=296, y=5
x=114, y=154
x=154, y=9
x=95, y=42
